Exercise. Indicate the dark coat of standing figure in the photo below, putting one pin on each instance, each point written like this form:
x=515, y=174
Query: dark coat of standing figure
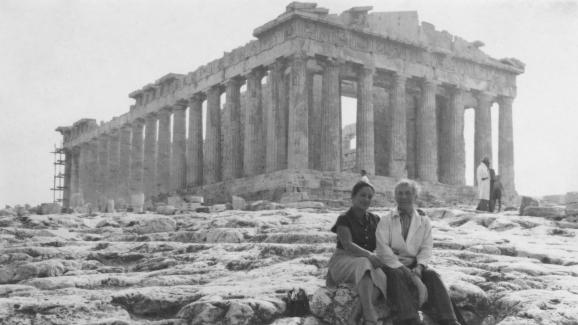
x=404, y=245
x=354, y=260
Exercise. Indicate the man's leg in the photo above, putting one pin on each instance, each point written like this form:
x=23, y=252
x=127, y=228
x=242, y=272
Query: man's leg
x=402, y=293
x=438, y=306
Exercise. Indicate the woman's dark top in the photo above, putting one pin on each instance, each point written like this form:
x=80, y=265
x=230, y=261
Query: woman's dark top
x=362, y=229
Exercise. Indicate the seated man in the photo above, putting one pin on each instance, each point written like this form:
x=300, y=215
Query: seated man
x=404, y=244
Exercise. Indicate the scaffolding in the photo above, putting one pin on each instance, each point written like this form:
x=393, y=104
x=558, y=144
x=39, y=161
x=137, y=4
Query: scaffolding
x=58, y=185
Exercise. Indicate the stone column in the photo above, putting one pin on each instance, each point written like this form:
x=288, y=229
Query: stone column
x=195, y=141
x=83, y=181
x=397, y=155
x=234, y=168
x=456, y=166
x=427, y=158
x=276, y=128
x=506, y=146
x=124, y=166
x=298, y=122
x=67, y=178
x=113, y=166
x=483, y=130
x=150, y=153
x=136, y=160
x=212, y=148
x=74, y=176
x=92, y=176
x=254, y=147
x=164, y=152
x=102, y=151
x=179, y=151
x=330, y=118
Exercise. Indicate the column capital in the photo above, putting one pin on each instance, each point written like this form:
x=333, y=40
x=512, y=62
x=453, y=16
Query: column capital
x=235, y=81
x=126, y=126
x=139, y=121
x=258, y=72
x=427, y=82
x=197, y=97
x=483, y=96
x=504, y=100
x=167, y=110
x=217, y=89
x=181, y=104
x=399, y=77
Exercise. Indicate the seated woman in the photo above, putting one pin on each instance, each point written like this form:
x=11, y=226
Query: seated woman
x=404, y=245
x=354, y=261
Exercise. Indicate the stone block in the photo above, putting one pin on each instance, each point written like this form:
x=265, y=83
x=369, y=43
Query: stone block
x=572, y=209
x=190, y=206
x=50, y=208
x=238, y=203
x=110, y=206
x=175, y=201
x=546, y=212
x=166, y=209
x=137, y=202
x=571, y=197
x=193, y=199
x=217, y=208
x=305, y=204
x=527, y=201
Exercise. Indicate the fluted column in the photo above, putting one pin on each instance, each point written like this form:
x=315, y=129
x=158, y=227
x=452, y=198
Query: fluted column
x=276, y=143
x=67, y=178
x=83, y=181
x=92, y=173
x=150, y=156
x=102, y=183
x=74, y=176
x=164, y=152
x=195, y=141
x=124, y=164
x=137, y=158
x=330, y=118
x=254, y=147
x=427, y=158
x=179, y=147
x=113, y=166
x=397, y=155
x=212, y=148
x=234, y=161
x=298, y=122
x=483, y=129
x=456, y=167
x=506, y=146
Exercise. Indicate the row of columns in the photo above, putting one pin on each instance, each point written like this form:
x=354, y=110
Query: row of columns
x=279, y=135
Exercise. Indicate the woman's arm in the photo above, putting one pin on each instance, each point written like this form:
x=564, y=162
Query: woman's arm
x=344, y=237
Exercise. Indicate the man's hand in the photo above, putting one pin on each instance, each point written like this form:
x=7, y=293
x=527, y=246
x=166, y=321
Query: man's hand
x=417, y=270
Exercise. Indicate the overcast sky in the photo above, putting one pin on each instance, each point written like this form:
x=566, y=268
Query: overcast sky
x=63, y=60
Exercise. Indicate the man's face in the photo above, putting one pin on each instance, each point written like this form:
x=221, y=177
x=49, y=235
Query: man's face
x=404, y=196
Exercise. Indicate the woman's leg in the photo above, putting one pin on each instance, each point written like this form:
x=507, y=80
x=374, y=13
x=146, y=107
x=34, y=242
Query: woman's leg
x=366, y=291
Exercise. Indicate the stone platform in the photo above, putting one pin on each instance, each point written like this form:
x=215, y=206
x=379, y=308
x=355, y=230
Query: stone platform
x=303, y=185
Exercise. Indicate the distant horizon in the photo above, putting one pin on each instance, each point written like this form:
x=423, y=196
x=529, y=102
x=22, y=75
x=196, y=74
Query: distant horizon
x=63, y=61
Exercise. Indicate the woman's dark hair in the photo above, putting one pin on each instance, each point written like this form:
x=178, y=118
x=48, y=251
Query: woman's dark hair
x=359, y=185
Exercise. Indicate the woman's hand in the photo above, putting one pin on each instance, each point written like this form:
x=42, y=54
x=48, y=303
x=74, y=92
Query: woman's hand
x=417, y=270
x=375, y=261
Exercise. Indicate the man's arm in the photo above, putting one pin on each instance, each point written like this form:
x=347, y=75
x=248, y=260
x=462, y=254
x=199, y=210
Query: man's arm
x=426, y=248
x=383, y=249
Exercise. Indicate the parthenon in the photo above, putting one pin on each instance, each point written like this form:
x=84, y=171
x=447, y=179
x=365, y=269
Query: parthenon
x=281, y=114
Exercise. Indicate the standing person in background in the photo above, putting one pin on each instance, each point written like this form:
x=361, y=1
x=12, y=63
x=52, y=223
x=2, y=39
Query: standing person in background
x=492, y=181
x=497, y=192
x=364, y=177
x=483, y=181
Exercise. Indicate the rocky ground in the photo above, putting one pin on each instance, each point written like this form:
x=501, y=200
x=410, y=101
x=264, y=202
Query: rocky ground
x=236, y=267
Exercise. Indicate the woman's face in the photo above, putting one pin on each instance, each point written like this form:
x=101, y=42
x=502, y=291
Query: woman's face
x=362, y=199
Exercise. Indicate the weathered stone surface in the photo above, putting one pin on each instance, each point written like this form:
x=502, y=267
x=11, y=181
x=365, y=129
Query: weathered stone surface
x=154, y=225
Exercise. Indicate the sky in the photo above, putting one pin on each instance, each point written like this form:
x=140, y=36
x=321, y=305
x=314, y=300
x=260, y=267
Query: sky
x=63, y=60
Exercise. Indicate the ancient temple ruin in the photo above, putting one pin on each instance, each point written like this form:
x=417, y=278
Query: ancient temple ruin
x=278, y=134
